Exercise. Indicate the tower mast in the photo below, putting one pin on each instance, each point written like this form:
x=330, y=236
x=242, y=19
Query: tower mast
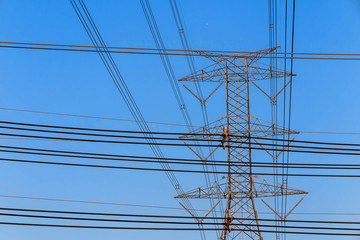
x=239, y=188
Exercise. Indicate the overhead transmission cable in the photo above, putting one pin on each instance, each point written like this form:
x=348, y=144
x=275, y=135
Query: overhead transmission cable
x=153, y=206
x=152, y=51
x=11, y=123
x=155, y=32
x=144, y=159
x=290, y=148
x=167, y=222
x=161, y=229
x=114, y=72
x=172, y=170
x=284, y=100
x=149, y=122
x=196, y=162
x=186, y=46
x=290, y=91
x=136, y=158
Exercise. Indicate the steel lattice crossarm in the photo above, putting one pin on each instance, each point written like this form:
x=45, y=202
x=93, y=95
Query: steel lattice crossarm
x=258, y=128
x=239, y=69
x=253, y=56
x=261, y=188
x=236, y=68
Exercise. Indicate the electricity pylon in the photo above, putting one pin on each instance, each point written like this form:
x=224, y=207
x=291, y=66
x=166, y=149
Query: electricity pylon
x=237, y=133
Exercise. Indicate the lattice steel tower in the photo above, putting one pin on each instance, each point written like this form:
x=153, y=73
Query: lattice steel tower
x=238, y=190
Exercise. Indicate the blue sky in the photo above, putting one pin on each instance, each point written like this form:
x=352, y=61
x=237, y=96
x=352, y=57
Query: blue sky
x=326, y=95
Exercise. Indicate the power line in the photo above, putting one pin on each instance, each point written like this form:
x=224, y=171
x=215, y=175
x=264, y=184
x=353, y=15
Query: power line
x=163, y=133
x=169, y=54
x=144, y=159
x=152, y=206
x=166, y=62
x=114, y=72
x=87, y=116
x=92, y=202
x=173, y=170
x=186, y=45
x=169, y=216
x=166, y=222
x=180, y=144
x=164, y=229
x=195, y=52
x=151, y=122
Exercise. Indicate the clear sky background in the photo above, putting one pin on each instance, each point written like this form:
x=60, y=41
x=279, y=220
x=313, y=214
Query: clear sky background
x=326, y=96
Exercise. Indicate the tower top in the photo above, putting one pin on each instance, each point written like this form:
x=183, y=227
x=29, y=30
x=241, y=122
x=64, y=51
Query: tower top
x=238, y=68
